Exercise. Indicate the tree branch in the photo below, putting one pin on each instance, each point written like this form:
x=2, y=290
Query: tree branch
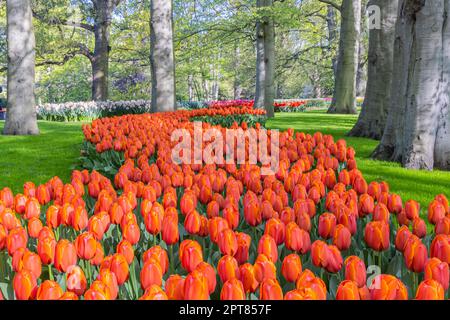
x=332, y=3
x=55, y=21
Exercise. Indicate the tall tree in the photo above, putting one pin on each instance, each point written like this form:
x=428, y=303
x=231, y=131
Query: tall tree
x=372, y=119
x=162, y=56
x=100, y=12
x=21, y=110
x=265, y=58
x=344, y=97
x=417, y=132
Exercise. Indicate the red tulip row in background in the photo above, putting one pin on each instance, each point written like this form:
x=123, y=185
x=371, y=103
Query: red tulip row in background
x=250, y=104
x=158, y=230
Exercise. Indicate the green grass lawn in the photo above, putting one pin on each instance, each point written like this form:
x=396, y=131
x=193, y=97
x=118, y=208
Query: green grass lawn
x=39, y=158
x=410, y=184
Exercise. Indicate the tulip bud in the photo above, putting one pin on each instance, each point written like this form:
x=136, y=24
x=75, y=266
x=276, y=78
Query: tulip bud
x=401, y=238
x=270, y=290
x=160, y=255
x=119, y=267
x=437, y=270
x=86, y=246
x=276, y=229
x=25, y=285
x=248, y=278
x=268, y=247
x=126, y=248
x=154, y=292
x=342, y=237
x=327, y=223
x=76, y=281
x=376, y=235
x=190, y=254
x=430, y=290
x=291, y=267
x=174, y=287
x=440, y=248
x=436, y=212
x=232, y=290
x=151, y=274
x=355, y=270
x=243, y=247
x=196, y=286
x=348, y=290
x=419, y=227
x=387, y=287
x=16, y=239
x=227, y=268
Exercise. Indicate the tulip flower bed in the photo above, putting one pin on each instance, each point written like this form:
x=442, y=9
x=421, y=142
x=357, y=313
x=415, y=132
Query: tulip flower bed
x=279, y=106
x=157, y=230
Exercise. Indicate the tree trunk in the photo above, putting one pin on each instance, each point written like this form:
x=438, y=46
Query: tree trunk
x=260, y=65
x=191, y=87
x=237, y=87
x=332, y=33
x=162, y=56
x=345, y=82
x=21, y=108
x=100, y=57
x=417, y=131
x=265, y=61
x=372, y=119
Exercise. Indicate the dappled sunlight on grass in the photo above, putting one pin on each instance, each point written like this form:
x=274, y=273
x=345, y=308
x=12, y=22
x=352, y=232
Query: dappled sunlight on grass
x=410, y=184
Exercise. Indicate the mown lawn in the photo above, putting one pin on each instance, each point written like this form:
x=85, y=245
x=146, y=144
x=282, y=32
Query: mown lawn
x=39, y=158
x=56, y=150
x=410, y=184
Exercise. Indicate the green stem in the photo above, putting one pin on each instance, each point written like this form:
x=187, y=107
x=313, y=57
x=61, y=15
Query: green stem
x=50, y=272
x=380, y=258
x=171, y=259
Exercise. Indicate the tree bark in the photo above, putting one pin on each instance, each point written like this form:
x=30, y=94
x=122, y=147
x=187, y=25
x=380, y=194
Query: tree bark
x=372, y=119
x=100, y=57
x=237, y=87
x=21, y=108
x=417, y=132
x=265, y=61
x=162, y=57
x=260, y=65
x=345, y=82
x=332, y=33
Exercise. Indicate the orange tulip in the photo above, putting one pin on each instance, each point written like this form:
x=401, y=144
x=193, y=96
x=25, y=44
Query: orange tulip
x=32, y=209
x=430, y=290
x=291, y=267
x=170, y=233
x=327, y=223
x=348, y=290
x=231, y=215
x=419, y=227
x=3, y=236
x=34, y=227
x=355, y=270
x=294, y=237
x=252, y=213
x=437, y=270
x=232, y=290
x=227, y=268
x=243, y=247
x=268, y=247
x=342, y=237
x=49, y=290
x=208, y=271
x=276, y=229
x=440, y=248
x=109, y=279
x=443, y=226
x=154, y=218
x=26, y=259
x=376, y=235
x=436, y=212
x=213, y=209
x=16, y=239
x=174, y=287
x=76, y=280
x=160, y=255
x=215, y=226
x=80, y=219
x=86, y=246
x=131, y=232
x=25, y=285
x=401, y=238
x=190, y=254
x=96, y=227
x=69, y=296
x=264, y=268
x=248, y=278
x=228, y=244
x=99, y=255
x=151, y=274
x=387, y=287
x=412, y=209
x=381, y=213
x=119, y=267
x=19, y=203
x=65, y=255
x=270, y=290
x=126, y=249
x=196, y=286
x=154, y=292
